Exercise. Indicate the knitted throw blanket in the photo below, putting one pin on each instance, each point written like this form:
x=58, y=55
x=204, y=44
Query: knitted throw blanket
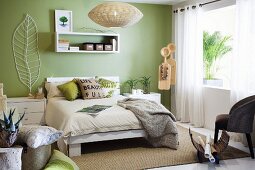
x=157, y=121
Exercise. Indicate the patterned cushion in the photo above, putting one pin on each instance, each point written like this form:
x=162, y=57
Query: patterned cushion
x=59, y=160
x=36, y=135
x=90, y=89
x=108, y=87
x=107, y=83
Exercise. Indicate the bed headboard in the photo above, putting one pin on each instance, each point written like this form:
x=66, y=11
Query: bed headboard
x=63, y=79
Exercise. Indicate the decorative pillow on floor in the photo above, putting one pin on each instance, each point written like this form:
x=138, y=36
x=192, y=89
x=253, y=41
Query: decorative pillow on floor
x=35, y=159
x=59, y=161
x=109, y=87
x=70, y=90
x=90, y=89
x=36, y=135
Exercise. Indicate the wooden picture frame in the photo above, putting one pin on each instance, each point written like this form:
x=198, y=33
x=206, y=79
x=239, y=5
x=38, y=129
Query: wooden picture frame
x=63, y=21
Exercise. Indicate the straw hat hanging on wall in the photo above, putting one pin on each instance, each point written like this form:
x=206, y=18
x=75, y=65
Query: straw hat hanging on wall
x=115, y=14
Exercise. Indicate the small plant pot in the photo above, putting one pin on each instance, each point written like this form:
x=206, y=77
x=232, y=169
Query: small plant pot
x=134, y=91
x=146, y=89
x=214, y=82
x=7, y=138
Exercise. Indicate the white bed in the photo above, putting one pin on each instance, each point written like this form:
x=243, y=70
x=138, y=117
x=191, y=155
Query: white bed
x=112, y=123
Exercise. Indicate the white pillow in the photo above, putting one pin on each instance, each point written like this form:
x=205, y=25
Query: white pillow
x=52, y=89
x=36, y=135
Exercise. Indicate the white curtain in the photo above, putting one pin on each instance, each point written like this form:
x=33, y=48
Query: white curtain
x=189, y=58
x=243, y=61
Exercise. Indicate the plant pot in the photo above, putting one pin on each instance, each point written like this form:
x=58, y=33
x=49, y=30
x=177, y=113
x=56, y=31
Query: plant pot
x=7, y=138
x=146, y=89
x=214, y=82
x=133, y=91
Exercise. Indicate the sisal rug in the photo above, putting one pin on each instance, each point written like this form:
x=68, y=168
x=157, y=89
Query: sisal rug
x=138, y=154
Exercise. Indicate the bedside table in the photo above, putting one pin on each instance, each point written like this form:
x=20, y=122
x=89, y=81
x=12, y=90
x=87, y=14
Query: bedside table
x=34, y=108
x=152, y=96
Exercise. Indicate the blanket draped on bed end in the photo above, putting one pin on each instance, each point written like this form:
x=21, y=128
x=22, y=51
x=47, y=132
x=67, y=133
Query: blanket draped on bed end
x=157, y=121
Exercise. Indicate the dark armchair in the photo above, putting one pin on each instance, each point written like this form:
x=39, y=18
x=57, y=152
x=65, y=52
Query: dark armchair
x=239, y=119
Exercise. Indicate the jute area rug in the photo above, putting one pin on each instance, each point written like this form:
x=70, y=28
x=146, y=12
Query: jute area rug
x=138, y=154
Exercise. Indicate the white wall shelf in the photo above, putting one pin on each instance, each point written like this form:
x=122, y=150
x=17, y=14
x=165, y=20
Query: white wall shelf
x=78, y=38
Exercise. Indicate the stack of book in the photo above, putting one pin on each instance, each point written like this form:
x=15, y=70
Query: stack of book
x=63, y=45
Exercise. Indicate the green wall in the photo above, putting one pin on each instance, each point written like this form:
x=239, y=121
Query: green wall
x=140, y=44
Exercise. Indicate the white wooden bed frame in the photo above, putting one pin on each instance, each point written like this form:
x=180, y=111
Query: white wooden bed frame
x=74, y=142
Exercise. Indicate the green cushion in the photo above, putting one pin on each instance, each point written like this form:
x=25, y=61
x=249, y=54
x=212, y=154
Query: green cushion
x=70, y=90
x=60, y=161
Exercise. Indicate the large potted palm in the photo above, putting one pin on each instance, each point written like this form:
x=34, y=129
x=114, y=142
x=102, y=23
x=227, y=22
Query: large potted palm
x=215, y=46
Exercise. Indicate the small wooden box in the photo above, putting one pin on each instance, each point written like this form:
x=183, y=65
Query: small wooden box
x=99, y=47
x=108, y=47
x=88, y=46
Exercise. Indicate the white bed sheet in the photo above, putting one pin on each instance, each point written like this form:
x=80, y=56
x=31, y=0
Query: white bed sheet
x=62, y=114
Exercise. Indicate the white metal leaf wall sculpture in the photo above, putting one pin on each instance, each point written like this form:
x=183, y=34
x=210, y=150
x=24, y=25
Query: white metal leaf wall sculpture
x=26, y=52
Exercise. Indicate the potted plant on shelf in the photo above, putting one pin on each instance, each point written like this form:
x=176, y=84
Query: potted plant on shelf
x=9, y=129
x=132, y=85
x=145, y=81
x=214, y=48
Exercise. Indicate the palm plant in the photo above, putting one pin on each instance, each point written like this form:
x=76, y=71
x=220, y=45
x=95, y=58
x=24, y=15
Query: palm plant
x=215, y=47
x=145, y=81
x=131, y=83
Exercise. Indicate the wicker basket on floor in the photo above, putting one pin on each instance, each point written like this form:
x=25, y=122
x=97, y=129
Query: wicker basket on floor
x=7, y=138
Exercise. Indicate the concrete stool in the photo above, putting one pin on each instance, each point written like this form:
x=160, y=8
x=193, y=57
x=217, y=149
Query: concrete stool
x=10, y=158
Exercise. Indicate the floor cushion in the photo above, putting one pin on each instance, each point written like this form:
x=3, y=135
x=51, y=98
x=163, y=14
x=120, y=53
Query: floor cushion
x=59, y=160
x=35, y=158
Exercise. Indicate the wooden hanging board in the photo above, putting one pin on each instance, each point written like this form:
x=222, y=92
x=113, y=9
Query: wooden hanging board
x=164, y=82
x=171, y=47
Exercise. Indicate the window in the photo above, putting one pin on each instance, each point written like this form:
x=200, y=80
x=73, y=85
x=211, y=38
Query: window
x=218, y=27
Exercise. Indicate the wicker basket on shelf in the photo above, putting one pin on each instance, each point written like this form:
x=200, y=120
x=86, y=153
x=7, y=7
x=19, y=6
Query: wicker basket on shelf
x=7, y=138
x=220, y=146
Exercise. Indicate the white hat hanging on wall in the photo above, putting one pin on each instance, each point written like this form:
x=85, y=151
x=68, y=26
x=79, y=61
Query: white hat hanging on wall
x=115, y=14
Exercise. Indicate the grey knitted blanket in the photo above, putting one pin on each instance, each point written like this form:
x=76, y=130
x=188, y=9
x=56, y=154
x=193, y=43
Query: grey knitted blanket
x=157, y=121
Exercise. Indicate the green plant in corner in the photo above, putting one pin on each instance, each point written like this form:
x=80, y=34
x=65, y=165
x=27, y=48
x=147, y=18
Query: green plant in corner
x=132, y=83
x=145, y=81
x=214, y=47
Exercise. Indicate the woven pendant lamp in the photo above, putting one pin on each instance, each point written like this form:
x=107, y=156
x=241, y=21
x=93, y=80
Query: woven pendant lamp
x=115, y=14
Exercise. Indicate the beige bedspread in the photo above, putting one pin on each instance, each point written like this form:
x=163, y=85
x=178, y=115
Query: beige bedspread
x=62, y=114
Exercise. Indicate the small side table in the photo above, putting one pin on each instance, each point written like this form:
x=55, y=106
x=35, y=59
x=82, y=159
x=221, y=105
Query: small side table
x=152, y=96
x=10, y=158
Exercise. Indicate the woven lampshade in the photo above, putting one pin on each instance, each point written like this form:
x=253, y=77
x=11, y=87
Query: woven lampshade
x=115, y=14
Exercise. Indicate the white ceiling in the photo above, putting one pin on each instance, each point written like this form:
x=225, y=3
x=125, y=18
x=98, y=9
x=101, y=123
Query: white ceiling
x=165, y=2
